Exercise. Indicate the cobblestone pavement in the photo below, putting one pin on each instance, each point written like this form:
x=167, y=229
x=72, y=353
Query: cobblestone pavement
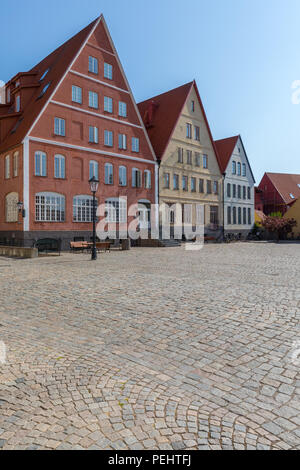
x=152, y=349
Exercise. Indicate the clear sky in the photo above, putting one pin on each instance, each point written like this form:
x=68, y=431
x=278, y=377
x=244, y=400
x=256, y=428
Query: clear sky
x=244, y=55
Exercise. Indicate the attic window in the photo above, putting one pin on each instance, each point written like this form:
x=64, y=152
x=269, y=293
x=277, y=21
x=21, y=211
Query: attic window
x=44, y=75
x=292, y=196
x=298, y=185
x=44, y=90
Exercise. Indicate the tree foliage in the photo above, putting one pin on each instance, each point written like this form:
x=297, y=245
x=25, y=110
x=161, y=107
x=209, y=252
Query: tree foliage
x=279, y=225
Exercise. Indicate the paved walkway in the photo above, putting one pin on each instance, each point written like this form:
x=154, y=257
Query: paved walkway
x=152, y=349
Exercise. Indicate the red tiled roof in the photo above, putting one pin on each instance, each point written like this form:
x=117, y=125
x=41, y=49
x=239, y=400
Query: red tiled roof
x=161, y=113
x=57, y=63
x=225, y=148
x=286, y=184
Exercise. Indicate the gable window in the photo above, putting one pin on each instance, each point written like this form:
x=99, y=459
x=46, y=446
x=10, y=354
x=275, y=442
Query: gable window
x=208, y=187
x=18, y=103
x=234, y=168
x=135, y=144
x=83, y=208
x=228, y=190
x=189, y=157
x=193, y=185
x=108, y=71
x=197, y=159
x=7, y=167
x=108, y=104
x=192, y=106
x=205, y=162
x=11, y=207
x=244, y=169
x=93, y=169
x=116, y=210
x=216, y=187
x=40, y=165
x=176, y=182
x=249, y=193
x=16, y=164
x=122, y=109
x=189, y=131
x=122, y=176
x=93, y=100
x=201, y=185
x=239, y=171
x=136, y=178
x=229, y=215
x=93, y=135
x=108, y=138
x=93, y=65
x=184, y=183
x=166, y=180
x=59, y=127
x=59, y=166
x=234, y=215
x=49, y=207
x=197, y=133
x=147, y=179
x=122, y=141
x=76, y=94
x=109, y=173
x=180, y=155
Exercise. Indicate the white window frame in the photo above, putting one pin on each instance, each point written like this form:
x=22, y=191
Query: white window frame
x=116, y=210
x=108, y=104
x=40, y=164
x=122, y=175
x=108, y=174
x=108, y=71
x=93, y=169
x=122, y=141
x=135, y=144
x=189, y=130
x=76, y=94
x=93, y=65
x=60, y=126
x=136, y=178
x=16, y=164
x=61, y=167
x=50, y=207
x=7, y=167
x=93, y=135
x=147, y=179
x=108, y=138
x=93, y=100
x=83, y=208
x=205, y=161
x=122, y=109
x=197, y=133
x=244, y=169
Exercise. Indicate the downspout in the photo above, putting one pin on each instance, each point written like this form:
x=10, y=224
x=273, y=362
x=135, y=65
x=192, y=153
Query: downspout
x=224, y=176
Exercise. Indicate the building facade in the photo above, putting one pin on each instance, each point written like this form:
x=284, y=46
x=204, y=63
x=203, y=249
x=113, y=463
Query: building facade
x=189, y=171
x=294, y=213
x=279, y=191
x=239, y=192
x=70, y=118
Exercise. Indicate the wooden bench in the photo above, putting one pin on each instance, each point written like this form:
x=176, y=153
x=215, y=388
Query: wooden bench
x=80, y=246
x=103, y=246
x=48, y=245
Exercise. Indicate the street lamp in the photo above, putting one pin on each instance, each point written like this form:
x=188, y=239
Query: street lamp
x=94, y=183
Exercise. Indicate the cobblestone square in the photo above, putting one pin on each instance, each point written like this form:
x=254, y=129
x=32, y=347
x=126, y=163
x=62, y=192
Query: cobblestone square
x=152, y=349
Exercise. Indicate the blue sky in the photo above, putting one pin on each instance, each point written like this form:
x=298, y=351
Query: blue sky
x=244, y=55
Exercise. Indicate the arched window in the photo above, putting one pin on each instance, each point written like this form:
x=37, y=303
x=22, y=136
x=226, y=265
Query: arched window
x=239, y=169
x=49, y=207
x=147, y=176
x=228, y=190
x=11, y=207
x=83, y=208
x=122, y=176
x=234, y=168
x=94, y=169
x=16, y=163
x=40, y=164
x=59, y=166
x=136, y=178
x=116, y=210
x=109, y=173
x=7, y=167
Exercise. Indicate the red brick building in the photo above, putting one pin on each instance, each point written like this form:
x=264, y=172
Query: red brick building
x=71, y=117
x=277, y=192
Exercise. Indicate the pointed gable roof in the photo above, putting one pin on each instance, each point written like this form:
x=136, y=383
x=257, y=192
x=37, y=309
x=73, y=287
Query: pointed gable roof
x=286, y=184
x=225, y=148
x=57, y=64
x=161, y=113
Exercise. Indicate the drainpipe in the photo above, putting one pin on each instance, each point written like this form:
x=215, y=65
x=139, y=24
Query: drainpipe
x=224, y=176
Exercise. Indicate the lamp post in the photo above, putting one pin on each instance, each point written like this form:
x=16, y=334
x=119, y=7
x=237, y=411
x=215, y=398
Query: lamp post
x=94, y=183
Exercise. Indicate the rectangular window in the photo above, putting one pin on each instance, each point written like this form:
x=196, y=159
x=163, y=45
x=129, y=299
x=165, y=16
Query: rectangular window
x=93, y=100
x=167, y=180
x=59, y=166
x=122, y=176
x=122, y=109
x=208, y=188
x=136, y=178
x=205, y=162
x=176, y=182
x=234, y=190
x=49, y=208
x=234, y=215
x=214, y=215
x=192, y=106
x=239, y=192
x=201, y=186
x=7, y=167
x=59, y=127
x=188, y=130
x=122, y=141
x=147, y=179
x=108, y=71
x=135, y=144
x=83, y=209
x=197, y=133
x=239, y=169
x=40, y=164
x=249, y=193
x=180, y=155
x=76, y=94
x=216, y=187
x=94, y=170
x=240, y=216
x=108, y=104
x=229, y=215
x=197, y=159
x=189, y=154
x=18, y=103
x=234, y=168
x=93, y=65
x=116, y=211
x=193, y=185
x=249, y=217
x=185, y=183
x=108, y=138
x=16, y=164
x=93, y=135
x=244, y=192
x=228, y=190
x=109, y=174
x=244, y=169
x=244, y=216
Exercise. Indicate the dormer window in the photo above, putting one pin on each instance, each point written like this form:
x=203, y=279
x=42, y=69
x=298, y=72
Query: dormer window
x=17, y=84
x=44, y=75
x=18, y=103
x=292, y=196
